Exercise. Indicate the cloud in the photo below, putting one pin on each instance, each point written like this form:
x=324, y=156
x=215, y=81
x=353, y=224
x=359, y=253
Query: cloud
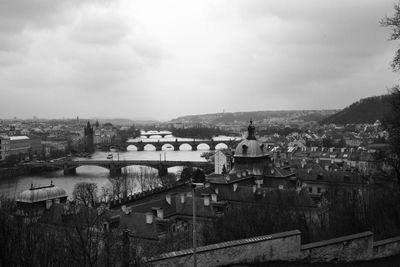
x=139, y=58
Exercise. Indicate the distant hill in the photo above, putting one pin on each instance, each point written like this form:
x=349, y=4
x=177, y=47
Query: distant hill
x=366, y=110
x=259, y=116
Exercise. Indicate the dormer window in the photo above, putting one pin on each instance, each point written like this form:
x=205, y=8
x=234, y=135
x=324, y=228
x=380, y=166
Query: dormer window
x=244, y=149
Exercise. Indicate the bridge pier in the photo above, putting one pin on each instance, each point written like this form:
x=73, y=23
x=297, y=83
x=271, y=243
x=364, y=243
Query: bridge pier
x=140, y=148
x=68, y=171
x=194, y=146
x=176, y=147
x=162, y=171
x=115, y=171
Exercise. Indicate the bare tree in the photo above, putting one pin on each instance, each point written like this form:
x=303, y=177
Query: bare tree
x=85, y=194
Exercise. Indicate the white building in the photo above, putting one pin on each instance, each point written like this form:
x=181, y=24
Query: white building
x=19, y=145
x=222, y=159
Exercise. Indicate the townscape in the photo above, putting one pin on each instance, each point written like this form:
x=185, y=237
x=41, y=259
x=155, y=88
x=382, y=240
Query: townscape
x=103, y=165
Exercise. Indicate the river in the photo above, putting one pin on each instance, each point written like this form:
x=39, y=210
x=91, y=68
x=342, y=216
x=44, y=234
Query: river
x=11, y=187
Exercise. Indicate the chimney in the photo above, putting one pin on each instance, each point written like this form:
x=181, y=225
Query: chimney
x=149, y=217
x=214, y=197
x=182, y=198
x=48, y=203
x=206, y=200
x=216, y=191
x=235, y=185
x=254, y=188
x=160, y=213
x=168, y=198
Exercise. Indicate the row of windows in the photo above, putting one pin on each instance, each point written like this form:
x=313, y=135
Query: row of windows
x=319, y=190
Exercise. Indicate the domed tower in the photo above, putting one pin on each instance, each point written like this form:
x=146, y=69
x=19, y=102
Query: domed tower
x=251, y=157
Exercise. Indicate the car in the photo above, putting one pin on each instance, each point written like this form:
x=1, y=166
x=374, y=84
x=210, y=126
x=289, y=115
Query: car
x=110, y=156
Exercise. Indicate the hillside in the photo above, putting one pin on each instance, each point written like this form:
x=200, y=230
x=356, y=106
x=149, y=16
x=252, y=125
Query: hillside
x=367, y=110
x=244, y=117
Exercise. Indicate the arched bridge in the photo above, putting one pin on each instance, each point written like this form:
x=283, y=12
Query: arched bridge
x=115, y=166
x=153, y=133
x=158, y=144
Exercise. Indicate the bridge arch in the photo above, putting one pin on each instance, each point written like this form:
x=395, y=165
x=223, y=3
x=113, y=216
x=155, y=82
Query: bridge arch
x=203, y=146
x=167, y=147
x=131, y=148
x=140, y=168
x=221, y=145
x=89, y=166
x=185, y=147
x=149, y=147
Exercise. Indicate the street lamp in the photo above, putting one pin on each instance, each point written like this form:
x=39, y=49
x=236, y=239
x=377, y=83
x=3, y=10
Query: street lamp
x=194, y=224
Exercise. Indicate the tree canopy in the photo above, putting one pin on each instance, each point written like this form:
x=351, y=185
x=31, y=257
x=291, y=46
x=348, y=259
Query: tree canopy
x=392, y=119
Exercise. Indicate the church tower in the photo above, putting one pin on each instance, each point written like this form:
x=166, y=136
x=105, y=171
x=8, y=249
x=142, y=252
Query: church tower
x=89, y=138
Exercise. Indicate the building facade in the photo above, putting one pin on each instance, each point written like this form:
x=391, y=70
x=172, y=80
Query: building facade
x=20, y=145
x=4, y=146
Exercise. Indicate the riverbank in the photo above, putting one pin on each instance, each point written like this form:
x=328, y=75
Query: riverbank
x=6, y=173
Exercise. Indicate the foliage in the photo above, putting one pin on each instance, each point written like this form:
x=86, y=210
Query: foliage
x=392, y=125
x=81, y=241
x=244, y=117
x=350, y=211
x=367, y=110
x=192, y=174
x=131, y=132
x=132, y=180
x=85, y=194
x=393, y=23
x=244, y=221
x=11, y=160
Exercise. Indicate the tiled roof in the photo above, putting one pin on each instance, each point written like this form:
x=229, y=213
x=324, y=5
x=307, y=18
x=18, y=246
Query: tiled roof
x=328, y=176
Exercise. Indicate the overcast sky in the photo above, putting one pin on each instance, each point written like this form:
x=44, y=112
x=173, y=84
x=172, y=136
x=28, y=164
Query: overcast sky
x=163, y=59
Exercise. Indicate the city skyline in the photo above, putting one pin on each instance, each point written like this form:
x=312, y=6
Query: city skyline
x=159, y=60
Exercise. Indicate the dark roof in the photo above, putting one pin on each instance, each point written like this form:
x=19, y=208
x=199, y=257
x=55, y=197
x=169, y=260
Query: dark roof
x=136, y=222
x=329, y=176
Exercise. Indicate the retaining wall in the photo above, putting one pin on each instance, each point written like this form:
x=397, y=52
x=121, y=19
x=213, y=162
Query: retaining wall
x=387, y=247
x=357, y=247
x=258, y=249
x=284, y=246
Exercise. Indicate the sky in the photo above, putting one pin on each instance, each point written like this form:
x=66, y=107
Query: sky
x=163, y=59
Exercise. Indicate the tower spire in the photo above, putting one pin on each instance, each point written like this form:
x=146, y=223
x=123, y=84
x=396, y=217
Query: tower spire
x=251, y=131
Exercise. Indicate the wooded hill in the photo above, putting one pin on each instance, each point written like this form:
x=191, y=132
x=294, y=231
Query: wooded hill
x=366, y=110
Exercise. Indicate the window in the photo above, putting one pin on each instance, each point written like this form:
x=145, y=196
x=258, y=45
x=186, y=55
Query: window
x=310, y=189
x=319, y=190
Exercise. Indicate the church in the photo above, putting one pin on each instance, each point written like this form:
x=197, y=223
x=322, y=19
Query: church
x=254, y=173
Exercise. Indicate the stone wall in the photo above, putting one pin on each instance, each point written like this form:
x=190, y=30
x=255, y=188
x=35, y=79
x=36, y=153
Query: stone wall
x=387, y=247
x=356, y=247
x=273, y=247
x=284, y=246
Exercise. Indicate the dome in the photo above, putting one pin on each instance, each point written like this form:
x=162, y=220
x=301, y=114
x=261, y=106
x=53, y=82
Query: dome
x=43, y=193
x=250, y=147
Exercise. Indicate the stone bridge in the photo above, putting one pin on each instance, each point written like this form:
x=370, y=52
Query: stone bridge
x=158, y=144
x=115, y=166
